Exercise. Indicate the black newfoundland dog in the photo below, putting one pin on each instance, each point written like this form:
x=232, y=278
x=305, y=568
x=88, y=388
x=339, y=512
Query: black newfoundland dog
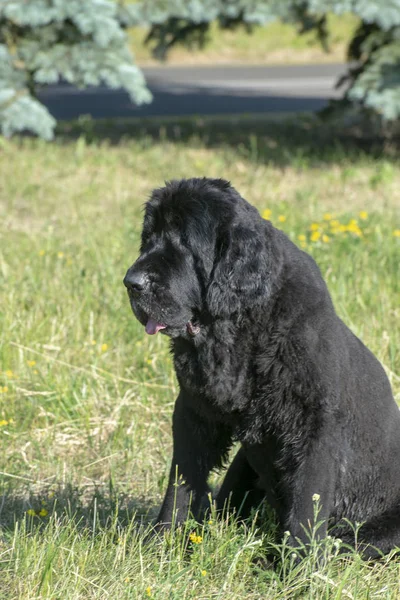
x=262, y=358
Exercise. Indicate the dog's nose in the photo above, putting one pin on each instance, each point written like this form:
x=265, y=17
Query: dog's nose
x=135, y=280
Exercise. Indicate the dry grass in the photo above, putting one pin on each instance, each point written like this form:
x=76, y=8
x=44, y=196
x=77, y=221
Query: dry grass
x=277, y=43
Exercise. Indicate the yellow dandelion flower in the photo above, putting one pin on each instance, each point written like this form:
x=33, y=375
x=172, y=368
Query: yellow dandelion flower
x=315, y=236
x=352, y=227
x=42, y=252
x=60, y=254
x=196, y=539
x=9, y=374
x=267, y=213
x=314, y=226
x=3, y=422
x=281, y=218
x=104, y=347
x=301, y=237
x=204, y=572
x=334, y=223
x=43, y=512
x=148, y=591
x=327, y=217
x=396, y=233
x=31, y=512
x=342, y=228
x=363, y=215
x=326, y=238
x=31, y=363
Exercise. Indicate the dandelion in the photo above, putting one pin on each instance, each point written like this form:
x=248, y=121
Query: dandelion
x=363, y=215
x=43, y=512
x=327, y=217
x=315, y=236
x=325, y=238
x=196, y=539
x=301, y=237
x=267, y=213
x=281, y=218
x=203, y=573
x=3, y=422
x=396, y=233
x=31, y=512
x=104, y=347
x=148, y=591
x=353, y=227
x=314, y=226
x=4, y=389
x=31, y=363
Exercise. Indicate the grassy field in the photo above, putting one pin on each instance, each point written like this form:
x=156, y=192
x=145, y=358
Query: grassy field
x=86, y=398
x=277, y=43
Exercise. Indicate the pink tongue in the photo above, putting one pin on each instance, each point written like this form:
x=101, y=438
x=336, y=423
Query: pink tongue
x=153, y=327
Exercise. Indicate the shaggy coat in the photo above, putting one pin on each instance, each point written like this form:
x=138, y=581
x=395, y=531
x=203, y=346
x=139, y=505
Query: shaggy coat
x=262, y=358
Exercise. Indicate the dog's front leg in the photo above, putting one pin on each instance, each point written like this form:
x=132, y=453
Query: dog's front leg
x=199, y=446
x=309, y=497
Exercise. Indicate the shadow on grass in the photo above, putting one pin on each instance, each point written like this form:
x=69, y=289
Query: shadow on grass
x=300, y=140
x=88, y=507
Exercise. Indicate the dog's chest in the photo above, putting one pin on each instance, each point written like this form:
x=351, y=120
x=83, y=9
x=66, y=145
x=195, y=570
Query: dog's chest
x=217, y=371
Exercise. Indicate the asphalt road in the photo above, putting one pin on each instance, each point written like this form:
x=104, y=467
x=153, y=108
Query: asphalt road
x=205, y=91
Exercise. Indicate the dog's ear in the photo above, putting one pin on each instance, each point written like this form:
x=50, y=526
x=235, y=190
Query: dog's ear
x=240, y=275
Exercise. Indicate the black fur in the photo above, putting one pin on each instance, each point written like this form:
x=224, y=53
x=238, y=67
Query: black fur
x=262, y=358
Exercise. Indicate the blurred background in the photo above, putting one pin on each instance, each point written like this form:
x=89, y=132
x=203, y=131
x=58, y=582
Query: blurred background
x=105, y=59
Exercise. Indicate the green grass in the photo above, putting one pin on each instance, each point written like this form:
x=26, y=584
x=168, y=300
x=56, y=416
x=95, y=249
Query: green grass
x=276, y=43
x=86, y=398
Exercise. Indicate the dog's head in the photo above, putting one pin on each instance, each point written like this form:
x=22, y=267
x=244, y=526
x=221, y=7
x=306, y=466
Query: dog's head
x=203, y=255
